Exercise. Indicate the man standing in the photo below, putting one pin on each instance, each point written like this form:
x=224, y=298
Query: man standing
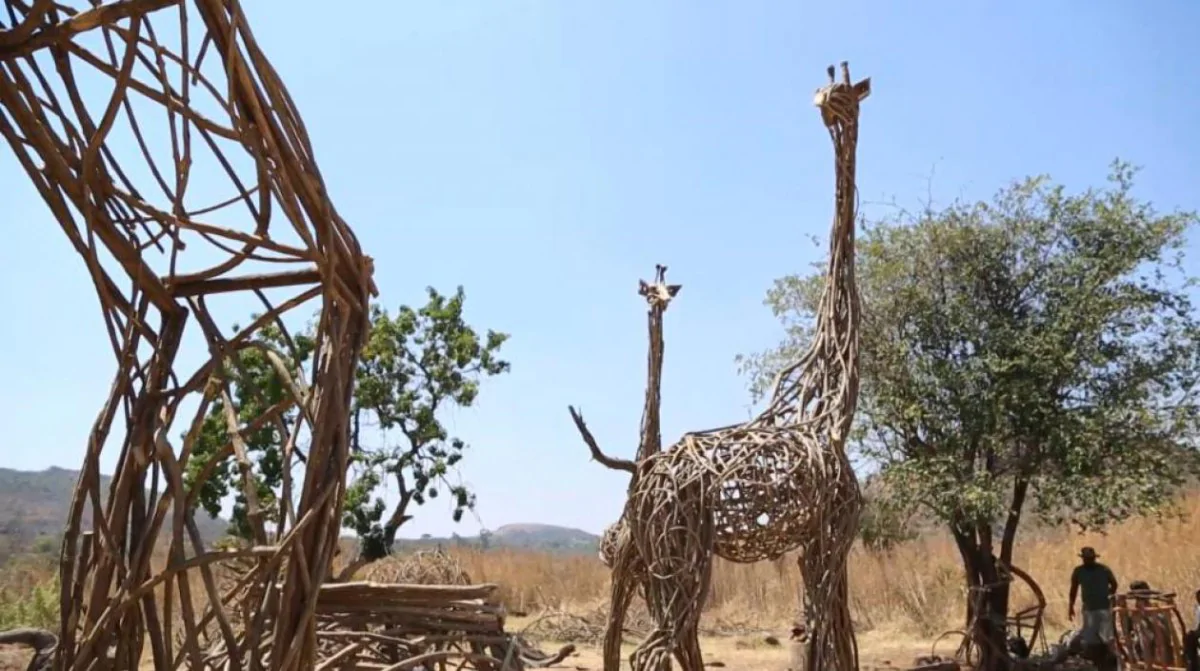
x=1098, y=584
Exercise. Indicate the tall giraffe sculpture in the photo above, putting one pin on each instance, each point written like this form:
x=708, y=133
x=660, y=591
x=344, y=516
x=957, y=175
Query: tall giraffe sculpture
x=167, y=251
x=614, y=542
x=756, y=491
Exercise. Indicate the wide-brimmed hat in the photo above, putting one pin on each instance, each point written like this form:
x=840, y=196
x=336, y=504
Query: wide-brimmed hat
x=1088, y=553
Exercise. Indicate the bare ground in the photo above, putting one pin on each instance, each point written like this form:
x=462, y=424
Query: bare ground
x=755, y=653
x=878, y=651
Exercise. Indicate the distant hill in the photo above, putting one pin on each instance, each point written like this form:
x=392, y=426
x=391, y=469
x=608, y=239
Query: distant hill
x=537, y=537
x=34, y=505
x=544, y=537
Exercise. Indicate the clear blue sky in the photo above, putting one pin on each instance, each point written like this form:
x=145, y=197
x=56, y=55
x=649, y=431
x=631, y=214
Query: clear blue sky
x=547, y=154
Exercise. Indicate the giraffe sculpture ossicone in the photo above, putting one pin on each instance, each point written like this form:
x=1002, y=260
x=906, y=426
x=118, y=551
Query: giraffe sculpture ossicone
x=758, y=490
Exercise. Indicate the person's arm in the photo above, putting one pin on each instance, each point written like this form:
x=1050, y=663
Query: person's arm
x=1112, y=583
x=1074, y=593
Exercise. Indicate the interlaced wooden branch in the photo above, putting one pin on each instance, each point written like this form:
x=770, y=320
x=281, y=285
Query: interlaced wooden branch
x=112, y=110
x=1150, y=632
x=778, y=483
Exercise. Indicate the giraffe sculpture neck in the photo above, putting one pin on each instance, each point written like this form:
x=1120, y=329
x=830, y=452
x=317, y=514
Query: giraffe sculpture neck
x=658, y=295
x=822, y=385
x=841, y=314
x=651, y=434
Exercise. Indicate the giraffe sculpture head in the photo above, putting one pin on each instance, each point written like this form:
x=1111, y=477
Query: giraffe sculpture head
x=659, y=294
x=839, y=100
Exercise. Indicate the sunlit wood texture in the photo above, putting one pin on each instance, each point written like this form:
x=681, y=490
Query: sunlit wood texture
x=172, y=156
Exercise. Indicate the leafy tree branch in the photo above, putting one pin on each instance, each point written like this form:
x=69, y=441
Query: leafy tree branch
x=414, y=365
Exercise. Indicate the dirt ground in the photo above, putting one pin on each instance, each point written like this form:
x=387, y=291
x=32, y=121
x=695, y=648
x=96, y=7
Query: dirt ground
x=878, y=651
x=753, y=653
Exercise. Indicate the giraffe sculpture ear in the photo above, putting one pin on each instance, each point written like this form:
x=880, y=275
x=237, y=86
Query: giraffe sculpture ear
x=643, y=288
x=673, y=289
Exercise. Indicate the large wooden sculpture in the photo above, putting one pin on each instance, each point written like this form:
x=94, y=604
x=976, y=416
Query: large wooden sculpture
x=756, y=491
x=115, y=111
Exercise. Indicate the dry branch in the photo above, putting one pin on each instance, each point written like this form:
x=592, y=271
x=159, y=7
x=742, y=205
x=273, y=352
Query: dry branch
x=598, y=455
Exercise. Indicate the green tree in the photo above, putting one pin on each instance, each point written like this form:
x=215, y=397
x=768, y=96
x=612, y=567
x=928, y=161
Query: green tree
x=246, y=385
x=1028, y=354
x=413, y=366
x=883, y=525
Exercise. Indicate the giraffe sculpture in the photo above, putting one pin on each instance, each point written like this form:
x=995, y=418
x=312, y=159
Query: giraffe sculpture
x=658, y=296
x=164, y=252
x=756, y=491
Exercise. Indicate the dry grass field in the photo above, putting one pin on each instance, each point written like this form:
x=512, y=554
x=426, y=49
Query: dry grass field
x=916, y=590
x=900, y=601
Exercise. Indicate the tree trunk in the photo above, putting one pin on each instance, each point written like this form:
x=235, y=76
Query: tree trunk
x=987, y=600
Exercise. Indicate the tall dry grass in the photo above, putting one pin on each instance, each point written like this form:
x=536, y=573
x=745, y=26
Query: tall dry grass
x=916, y=590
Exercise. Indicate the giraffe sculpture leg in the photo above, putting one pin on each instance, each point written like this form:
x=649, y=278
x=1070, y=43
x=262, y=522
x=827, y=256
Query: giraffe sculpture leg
x=824, y=567
x=687, y=648
x=672, y=530
x=625, y=574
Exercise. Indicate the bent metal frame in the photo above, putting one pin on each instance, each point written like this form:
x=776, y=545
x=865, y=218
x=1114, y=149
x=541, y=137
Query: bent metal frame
x=112, y=110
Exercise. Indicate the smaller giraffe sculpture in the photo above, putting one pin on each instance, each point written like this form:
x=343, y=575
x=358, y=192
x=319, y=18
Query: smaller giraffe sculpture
x=658, y=295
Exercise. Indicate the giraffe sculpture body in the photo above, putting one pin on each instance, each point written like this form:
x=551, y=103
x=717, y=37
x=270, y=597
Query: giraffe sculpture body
x=163, y=250
x=755, y=491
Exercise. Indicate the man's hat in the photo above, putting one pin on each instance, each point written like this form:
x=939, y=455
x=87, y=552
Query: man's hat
x=1088, y=553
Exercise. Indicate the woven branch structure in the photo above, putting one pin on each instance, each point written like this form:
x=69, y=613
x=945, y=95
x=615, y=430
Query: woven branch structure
x=1150, y=632
x=756, y=491
x=114, y=110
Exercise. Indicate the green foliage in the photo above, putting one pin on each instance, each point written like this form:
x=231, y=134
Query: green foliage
x=883, y=525
x=413, y=366
x=46, y=545
x=1040, y=348
x=251, y=381
x=30, y=606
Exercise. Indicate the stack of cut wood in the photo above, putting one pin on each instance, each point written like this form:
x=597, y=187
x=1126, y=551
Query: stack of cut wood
x=366, y=625
x=369, y=626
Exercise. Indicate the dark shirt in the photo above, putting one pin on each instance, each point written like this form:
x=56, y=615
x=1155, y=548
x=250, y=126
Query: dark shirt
x=1093, y=580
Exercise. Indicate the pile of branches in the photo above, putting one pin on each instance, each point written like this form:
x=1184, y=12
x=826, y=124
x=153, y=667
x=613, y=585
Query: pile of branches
x=423, y=567
x=586, y=628
x=368, y=625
